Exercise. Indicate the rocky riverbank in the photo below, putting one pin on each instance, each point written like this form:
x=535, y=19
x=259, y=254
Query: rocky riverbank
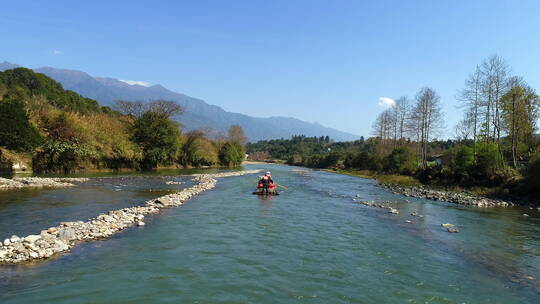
x=452, y=197
x=38, y=182
x=61, y=238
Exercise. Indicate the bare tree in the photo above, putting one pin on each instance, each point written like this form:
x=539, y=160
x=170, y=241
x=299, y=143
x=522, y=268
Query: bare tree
x=427, y=112
x=403, y=109
x=133, y=108
x=495, y=73
x=465, y=128
x=138, y=108
x=471, y=96
x=236, y=133
x=165, y=107
x=384, y=129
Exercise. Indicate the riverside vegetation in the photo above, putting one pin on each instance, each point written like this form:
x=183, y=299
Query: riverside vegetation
x=59, y=131
x=495, y=150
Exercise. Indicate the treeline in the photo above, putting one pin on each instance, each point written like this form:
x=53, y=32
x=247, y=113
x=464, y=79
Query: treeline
x=60, y=131
x=495, y=144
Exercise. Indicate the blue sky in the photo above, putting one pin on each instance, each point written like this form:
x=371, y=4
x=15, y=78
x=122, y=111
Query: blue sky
x=323, y=61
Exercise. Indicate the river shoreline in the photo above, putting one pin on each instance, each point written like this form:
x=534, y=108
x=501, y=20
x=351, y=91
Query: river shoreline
x=59, y=239
x=446, y=196
x=417, y=190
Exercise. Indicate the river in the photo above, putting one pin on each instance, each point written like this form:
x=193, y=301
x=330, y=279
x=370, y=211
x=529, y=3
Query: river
x=311, y=244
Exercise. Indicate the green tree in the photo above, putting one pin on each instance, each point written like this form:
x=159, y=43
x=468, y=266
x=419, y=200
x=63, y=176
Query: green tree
x=158, y=136
x=487, y=161
x=531, y=181
x=401, y=160
x=198, y=151
x=520, y=113
x=16, y=132
x=231, y=154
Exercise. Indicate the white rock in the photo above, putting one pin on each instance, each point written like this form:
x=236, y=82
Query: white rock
x=15, y=238
x=67, y=234
x=32, y=238
x=60, y=246
x=140, y=223
x=7, y=242
x=34, y=255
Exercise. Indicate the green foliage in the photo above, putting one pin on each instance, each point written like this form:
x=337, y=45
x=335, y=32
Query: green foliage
x=198, y=151
x=487, y=160
x=16, y=131
x=62, y=157
x=402, y=161
x=231, y=154
x=458, y=163
x=158, y=136
x=531, y=181
x=306, y=146
x=464, y=159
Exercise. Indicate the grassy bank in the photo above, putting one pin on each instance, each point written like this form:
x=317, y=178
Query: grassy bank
x=394, y=179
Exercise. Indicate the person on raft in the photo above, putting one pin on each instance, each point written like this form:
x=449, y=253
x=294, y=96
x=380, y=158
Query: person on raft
x=266, y=182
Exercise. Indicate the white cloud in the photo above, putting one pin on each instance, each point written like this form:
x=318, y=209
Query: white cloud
x=386, y=102
x=135, y=82
x=57, y=52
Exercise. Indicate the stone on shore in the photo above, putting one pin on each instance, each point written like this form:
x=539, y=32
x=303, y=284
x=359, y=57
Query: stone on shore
x=38, y=182
x=452, y=197
x=32, y=238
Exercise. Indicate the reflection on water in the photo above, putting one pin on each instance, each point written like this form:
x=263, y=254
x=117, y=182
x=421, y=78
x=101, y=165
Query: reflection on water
x=310, y=244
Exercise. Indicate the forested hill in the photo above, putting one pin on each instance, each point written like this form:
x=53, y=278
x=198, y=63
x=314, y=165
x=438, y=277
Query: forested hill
x=198, y=114
x=57, y=130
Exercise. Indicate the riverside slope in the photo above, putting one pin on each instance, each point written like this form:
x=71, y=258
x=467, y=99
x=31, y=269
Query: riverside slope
x=61, y=238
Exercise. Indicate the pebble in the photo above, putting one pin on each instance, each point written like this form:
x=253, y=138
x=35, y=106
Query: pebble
x=59, y=239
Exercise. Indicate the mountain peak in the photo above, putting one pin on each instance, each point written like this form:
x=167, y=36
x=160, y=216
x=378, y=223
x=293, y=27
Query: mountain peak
x=8, y=66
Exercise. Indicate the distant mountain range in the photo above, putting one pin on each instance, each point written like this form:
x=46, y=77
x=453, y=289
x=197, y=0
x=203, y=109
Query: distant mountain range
x=197, y=113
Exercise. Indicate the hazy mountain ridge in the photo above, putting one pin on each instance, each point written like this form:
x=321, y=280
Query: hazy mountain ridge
x=198, y=114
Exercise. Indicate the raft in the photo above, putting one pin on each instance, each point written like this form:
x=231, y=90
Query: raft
x=262, y=193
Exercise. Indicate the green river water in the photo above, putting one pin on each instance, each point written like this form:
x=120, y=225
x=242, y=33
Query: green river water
x=312, y=244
